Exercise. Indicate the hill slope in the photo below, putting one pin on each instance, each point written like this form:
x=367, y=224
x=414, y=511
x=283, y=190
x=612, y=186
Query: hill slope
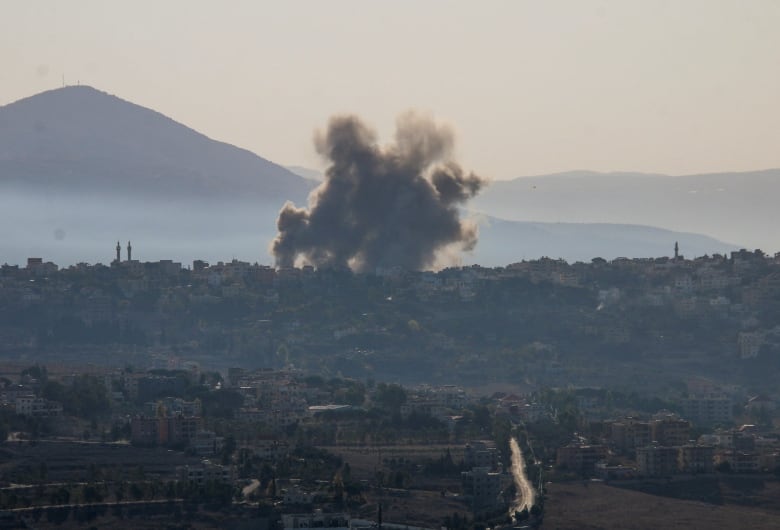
x=80, y=139
x=80, y=168
x=730, y=206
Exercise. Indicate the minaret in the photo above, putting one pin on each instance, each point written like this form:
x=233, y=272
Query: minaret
x=118, y=252
x=129, y=252
x=676, y=251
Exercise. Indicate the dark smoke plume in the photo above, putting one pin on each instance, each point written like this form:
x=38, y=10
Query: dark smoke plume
x=380, y=206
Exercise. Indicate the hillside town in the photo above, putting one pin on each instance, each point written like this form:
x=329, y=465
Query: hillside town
x=306, y=447
x=301, y=397
x=533, y=321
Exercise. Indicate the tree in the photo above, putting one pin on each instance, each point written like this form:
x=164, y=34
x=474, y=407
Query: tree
x=87, y=397
x=90, y=494
x=119, y=492
x=482, y=418
x=228, y=449
x=37, y=372
x=137, y=491
x=390, y=397
x=723, y=467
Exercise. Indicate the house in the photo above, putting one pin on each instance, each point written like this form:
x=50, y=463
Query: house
x=750, y=343
x=580, y=457
x=708, y=409
x=657, y=461
x=317, y=519
x=37, y=407
x=741, y=461
x=482, y=453
x=296, y=495
x=696, y=459
x=483, y=487
x=205, y=472
x=671, y=431
x=206, y=443
x=165, y=430
x=630, y=433
x=605, y=471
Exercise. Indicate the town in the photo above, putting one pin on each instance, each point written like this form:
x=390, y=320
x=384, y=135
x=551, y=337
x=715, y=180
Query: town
x=649, y=324
x=142, y=393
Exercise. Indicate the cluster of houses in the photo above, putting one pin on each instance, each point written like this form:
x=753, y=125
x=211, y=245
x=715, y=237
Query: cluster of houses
x=663, y=445
x=275, y=398
x=24, y=399
x=734, y=287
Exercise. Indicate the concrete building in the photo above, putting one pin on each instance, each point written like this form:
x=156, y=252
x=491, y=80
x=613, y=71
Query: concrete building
x=696, y=459
x=37, y=407
x=708, y=409
x=581, y=458
x=297, y=495
x=482, y=453
x=205, y=472
x=317, y=519
x=657, y=461
x=750, y=343
x=671, y=431
x=165, y=430
x=743, y=462
x=628, y=434
x=483, y=487
x=207, y=443
x=605, y=471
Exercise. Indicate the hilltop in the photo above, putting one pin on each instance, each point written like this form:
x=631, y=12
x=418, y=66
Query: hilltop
x=80, y=139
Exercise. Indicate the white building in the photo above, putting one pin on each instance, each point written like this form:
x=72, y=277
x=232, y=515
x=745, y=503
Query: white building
x=708, y=409
x=750, y=343
x=206, y=471
x=37, y=407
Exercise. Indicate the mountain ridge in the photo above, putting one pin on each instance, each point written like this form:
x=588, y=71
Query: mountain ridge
x=587, y=173
x=92, y=167
x=727, y=206
x=81, y=136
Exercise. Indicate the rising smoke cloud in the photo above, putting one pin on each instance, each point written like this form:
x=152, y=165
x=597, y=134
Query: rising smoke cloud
x=380, y=206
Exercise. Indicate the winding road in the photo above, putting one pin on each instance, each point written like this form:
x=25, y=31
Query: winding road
x=525, y=492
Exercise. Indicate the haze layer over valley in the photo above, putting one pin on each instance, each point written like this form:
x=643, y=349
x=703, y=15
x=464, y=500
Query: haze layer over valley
x=738, y=207
x=80, y=168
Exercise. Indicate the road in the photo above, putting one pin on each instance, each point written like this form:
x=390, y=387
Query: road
x=525, y=492
x=252, y=486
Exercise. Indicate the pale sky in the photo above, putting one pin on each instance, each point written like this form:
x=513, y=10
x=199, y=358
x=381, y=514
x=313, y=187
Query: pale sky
x=531, y=87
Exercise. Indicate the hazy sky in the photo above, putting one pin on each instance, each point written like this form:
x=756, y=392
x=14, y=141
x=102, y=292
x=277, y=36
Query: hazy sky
x=532, y=87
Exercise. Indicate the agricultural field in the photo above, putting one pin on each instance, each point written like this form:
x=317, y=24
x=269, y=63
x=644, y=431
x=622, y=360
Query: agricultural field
x=596, y=506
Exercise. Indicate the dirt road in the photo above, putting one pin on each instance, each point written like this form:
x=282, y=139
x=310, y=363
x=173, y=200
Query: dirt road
x=525, y=492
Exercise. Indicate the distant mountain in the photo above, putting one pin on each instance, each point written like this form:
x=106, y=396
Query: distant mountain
x=730, y=206
x=78, y=139
x=307, y=173
x=80, y=168
x=502, y=242
x=69, y=228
